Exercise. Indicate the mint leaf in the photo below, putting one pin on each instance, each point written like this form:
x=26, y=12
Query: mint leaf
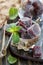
x=13, y=28
x=15, y=38
x=17, y=28
x=13, y=13
x=10, y=30
x=11, y=59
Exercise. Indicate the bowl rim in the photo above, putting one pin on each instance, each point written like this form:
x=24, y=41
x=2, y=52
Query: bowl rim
x=35, y=36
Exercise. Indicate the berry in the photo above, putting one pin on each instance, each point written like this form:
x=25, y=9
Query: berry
x=37, y=51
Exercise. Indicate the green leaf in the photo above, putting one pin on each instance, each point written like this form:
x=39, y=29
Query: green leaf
x=10, y=30
x=13, y=13
x=15, y=38
x=11, y=59
x=13, y=28
x=17, y=28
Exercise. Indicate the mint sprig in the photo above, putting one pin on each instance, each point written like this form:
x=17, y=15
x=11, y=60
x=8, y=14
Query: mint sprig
x=14, y=29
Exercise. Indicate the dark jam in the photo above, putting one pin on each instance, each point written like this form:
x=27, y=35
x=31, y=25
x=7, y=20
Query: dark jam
x=33, y=9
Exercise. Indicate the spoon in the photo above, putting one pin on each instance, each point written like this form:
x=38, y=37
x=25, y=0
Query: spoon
x=3, y=52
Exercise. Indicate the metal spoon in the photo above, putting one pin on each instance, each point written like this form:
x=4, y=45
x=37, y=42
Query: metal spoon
x=3, y=53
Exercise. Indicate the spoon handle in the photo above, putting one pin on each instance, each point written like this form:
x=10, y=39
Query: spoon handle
x=8, y=41
x=3, y=40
